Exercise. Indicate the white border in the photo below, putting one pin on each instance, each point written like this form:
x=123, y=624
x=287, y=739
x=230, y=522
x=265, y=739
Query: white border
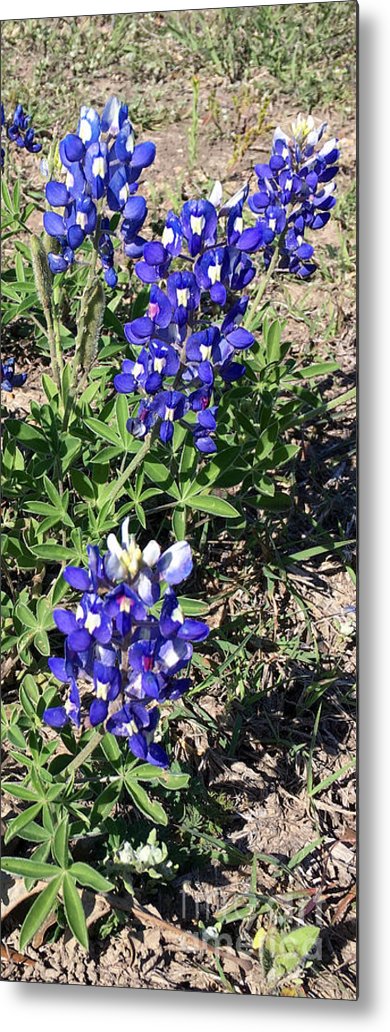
x=44, y=1007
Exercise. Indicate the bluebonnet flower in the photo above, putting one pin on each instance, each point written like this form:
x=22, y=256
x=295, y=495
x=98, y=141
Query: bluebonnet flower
x=58, y=716
x=148, y=370
x=155, y=264
x=102, y=166
x=198, y=273
x=296, y=190
x=8, y=378
x=184, y=295
x=158, y=316
x=138, y=724
x=199, y=223
x=212, y=272
x=129, y=657
x=169, y=405
x=18, y=130
x=106, y=255
x=172, y=236
x=205, y=426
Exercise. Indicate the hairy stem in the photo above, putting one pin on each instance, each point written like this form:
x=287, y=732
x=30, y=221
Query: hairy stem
x=249, y=322
x=89, y=748
x=138, y=458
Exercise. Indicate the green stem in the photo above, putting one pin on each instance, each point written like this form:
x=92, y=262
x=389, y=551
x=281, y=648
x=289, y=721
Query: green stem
x=89, y=748
x=52, y=347
x=138, y=458
x=248, y=323
x=56, y=328
x=84, y=303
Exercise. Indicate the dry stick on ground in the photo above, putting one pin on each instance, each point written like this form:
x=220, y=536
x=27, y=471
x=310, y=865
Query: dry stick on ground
x=146, y=917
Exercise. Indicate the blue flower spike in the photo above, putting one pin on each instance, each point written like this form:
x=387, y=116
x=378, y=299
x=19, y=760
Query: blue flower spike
x=102, y=166
x=113, y=620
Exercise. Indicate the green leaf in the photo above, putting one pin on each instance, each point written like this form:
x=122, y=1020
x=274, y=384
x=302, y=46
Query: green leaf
x=301, y=941
x=83, y=485
x=110, y=747
x=16, y=736
x=45, y=613
x=51, y=551
x=122, y=415
x=39, y=855
x=21, y=820
x=74, y=911
x=28, y=436
x=104, y=431
x=106, y=801
x=60, y=843
x=157, y=472
x=169, y=779
x=86, y=875
x=267, y=441
x=39, y=912
x=59, y=589
x=151, y=808
x=50, y=388
x=273, y=342
x=24, y=614
x=26, y=868
x=193, y=606
x=34, y=832
x=19, y=791
x=309, y=553
x=52, y=493
x=333, y=777
x=42, y=643
x=214, y=505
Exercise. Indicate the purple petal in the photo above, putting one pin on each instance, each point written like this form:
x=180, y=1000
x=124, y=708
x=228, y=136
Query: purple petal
x=193, y=630
x=77, y=578
x=79, y=640
x=58, y=668
x=98, y=711
x=176, y=563
x=55, y=716
x=64, y=620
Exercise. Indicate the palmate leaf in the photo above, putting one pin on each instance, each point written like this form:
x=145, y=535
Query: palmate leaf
x=74, y=912
x=39, y=911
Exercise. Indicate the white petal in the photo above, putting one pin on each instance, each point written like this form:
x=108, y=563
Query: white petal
x=151, y=553
x=215, y=197
x=125, y=532
x=113, y=546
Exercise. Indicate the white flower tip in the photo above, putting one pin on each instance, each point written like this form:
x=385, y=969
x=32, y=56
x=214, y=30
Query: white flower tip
x=151, y=553
x=215, y=197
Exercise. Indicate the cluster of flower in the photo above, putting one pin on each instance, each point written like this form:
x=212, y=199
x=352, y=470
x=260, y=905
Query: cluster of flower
x=8, y=378
x=130, y=656
x=19, y=131
x=192, y=328
x=102, y=165
x=295, y=192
